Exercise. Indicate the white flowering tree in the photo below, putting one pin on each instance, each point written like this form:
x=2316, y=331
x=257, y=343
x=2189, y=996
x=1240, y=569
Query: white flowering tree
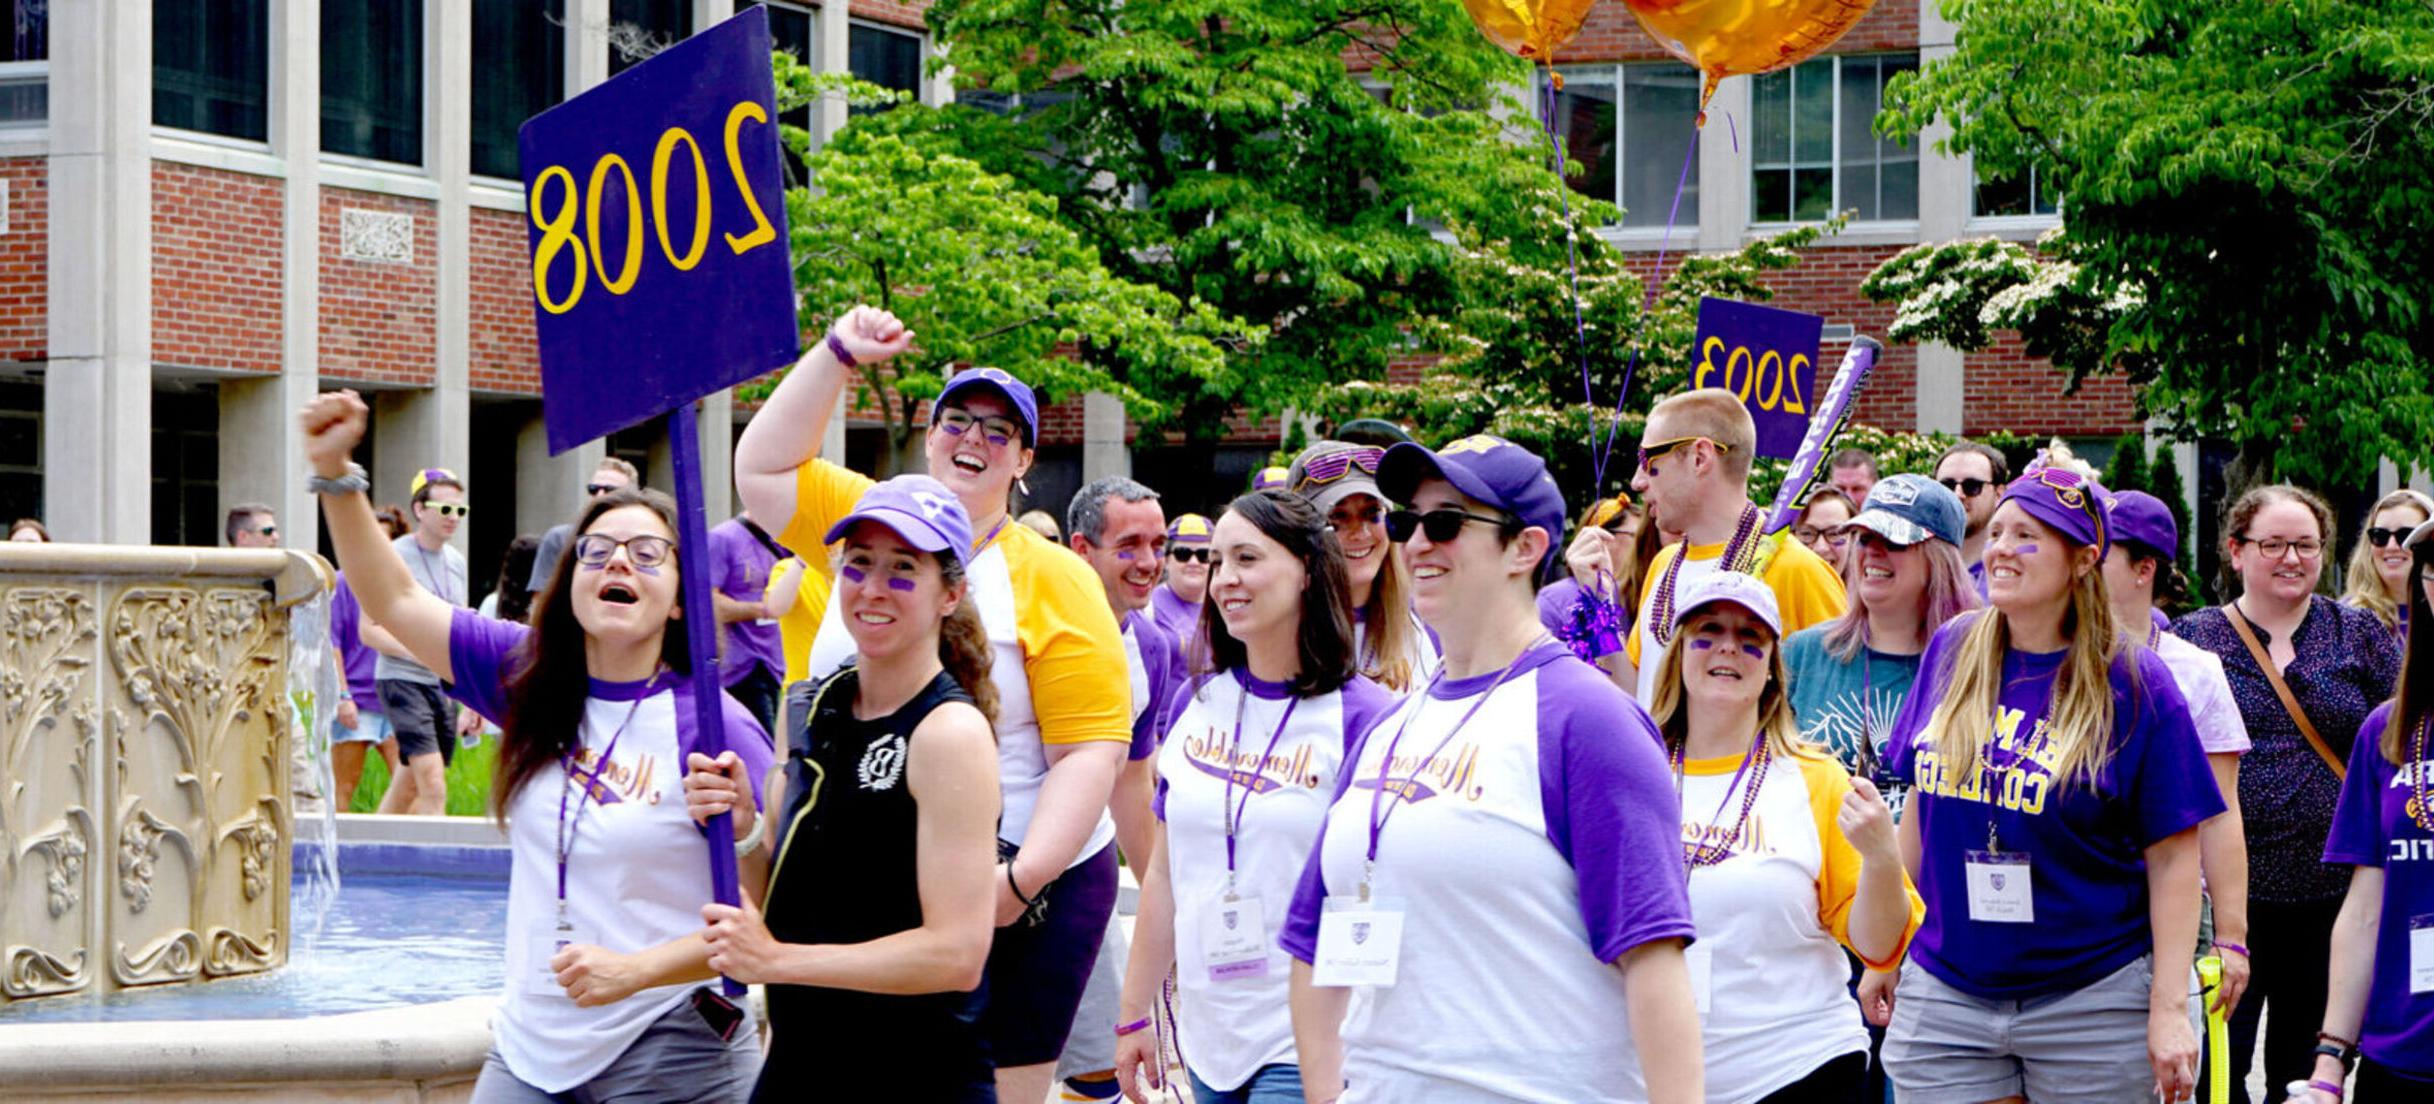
x=1965, y=293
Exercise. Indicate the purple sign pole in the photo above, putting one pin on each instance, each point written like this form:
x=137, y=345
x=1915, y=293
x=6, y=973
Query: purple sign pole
x=661, y=273
x=1848, y=379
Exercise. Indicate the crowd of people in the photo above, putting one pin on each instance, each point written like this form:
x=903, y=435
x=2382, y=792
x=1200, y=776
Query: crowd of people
x=1432, y=792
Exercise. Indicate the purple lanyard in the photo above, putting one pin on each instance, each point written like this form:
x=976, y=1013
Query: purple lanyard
x=1233, y=824
x=1377, y=824
x=566, y=763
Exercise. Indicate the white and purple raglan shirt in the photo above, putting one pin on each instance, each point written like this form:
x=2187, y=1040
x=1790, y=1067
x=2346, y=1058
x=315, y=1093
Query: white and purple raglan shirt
x=1529, y=852
x=638, y=869
x=2086, y=841
x=1280, y=770
x=2373, y=827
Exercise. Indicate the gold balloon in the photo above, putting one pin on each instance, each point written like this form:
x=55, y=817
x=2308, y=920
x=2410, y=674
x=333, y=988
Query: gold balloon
x=1732, y=38
x=1533, y=29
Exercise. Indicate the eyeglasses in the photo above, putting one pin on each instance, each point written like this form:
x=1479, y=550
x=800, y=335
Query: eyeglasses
x=1440, y=525
x=1651, y=452
x=1350, y=517
x=1187, y=555
x=2382, y=537
x=1966, y=488
x=268, y=531
x=645, y=550
x=597, y=489
x=451, y=509
x=1809, y=534
x=955, y=421
x=1329, y=467
x=2273, y=548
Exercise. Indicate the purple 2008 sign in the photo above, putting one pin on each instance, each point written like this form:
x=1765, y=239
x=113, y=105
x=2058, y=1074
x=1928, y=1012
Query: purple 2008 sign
x=1767, y=357
x=660, y=269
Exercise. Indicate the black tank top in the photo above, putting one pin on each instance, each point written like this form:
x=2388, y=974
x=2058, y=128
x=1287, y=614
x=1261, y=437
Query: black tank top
x=846, y=872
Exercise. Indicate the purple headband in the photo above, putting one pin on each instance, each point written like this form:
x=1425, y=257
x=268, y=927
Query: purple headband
x=2067, y=502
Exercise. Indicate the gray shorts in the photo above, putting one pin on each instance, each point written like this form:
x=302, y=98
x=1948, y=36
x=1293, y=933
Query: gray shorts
x=2086, y=1046
x=1091, y=1047
x=679, y=1057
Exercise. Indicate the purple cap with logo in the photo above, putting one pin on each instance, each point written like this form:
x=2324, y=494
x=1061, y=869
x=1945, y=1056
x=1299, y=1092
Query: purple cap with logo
x=1026, y=405
x=917, y=508
x=2139, y=518
x=2067, y=502
x=1488, y=468
x=1739, y=588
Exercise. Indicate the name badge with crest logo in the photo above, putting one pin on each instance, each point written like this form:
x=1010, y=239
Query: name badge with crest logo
x=1999, y=888
x=1360, y=942
x=1234, y=938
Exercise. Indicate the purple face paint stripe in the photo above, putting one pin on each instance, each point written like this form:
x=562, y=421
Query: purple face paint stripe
x=905, y=585
x=852, y=574
x=2024, y=550
x=1753, y=651
x=1702, y=645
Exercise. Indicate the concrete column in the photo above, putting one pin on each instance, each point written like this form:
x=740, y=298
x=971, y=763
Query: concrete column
x=835, y=29
x=587, y=49
x=549, y=490
x=1945, y=187
x=448, y=105
x=97, y=398
x=832, y=442
x=716, y=423
x=1103, y=451
x=711, y=13
x=2387, y=477
x=406, y=439
x=1724, y=170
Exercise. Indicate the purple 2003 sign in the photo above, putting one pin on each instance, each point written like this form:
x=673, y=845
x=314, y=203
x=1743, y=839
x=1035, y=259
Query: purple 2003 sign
x=1767, y=357
x=660, y=267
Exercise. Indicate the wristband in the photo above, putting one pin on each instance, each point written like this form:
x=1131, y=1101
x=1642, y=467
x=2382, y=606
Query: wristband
x=1027, y=901
x=2233, y=948
x=837, y=348
x=752, y=840
x=2326, y=1087
x=1127, y=1029
x=353, y=482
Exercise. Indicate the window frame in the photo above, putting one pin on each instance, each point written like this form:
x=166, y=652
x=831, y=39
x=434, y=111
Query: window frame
x=2033, y=222
x=273, y=58
x=1617, y=76
x=1792, y=164
x=921, y=44
x=565, y=76
x=427, y=65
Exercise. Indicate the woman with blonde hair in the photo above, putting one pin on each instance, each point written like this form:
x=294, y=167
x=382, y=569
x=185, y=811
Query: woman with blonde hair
x=2379, y=567
x=2057, y=787
x=1792, y=860
x=1341, y=481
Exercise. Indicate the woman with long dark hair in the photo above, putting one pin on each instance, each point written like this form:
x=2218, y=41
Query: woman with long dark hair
x=1243, y=782
x=2380, y=1010
x=607, y=878
x=890, y=788
x=2056, y=791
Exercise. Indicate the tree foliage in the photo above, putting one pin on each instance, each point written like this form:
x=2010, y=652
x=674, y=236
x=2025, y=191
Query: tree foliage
x=2253, y=179
x=979, y=267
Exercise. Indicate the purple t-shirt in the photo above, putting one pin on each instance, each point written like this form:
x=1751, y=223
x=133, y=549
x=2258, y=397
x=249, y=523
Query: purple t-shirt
x=356, y=657
x=1555, y=602
x=2372, y=827
x=482, y=651
x=1162, y=679
x=2086, y=844
x=1178, y=617
x=741, y=564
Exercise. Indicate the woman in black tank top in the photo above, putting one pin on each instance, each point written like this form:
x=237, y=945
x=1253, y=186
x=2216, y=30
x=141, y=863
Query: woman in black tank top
x=875, y=883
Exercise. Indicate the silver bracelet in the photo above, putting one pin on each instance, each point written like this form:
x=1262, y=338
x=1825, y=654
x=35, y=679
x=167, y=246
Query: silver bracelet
x=353, y=482
x=752, y=840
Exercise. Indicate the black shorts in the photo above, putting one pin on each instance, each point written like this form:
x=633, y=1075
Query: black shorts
x=422, y=717
x=1036, y=974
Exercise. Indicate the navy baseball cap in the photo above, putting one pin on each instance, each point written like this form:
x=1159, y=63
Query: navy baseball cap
x=2142, y=519
x=917, y=508
x=1485, y=467
x=1026, y=405
x=1907, y=509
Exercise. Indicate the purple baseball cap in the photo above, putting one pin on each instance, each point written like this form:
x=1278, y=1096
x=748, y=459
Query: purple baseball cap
x=2139, y=518
x=917, y=508
x=1026, y=405
x=1740, y=589
x=1485, y=467
x=2067, y=502
x=1271, y=478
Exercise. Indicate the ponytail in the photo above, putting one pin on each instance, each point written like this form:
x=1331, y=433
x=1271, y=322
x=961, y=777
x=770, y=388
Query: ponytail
x=963, y=646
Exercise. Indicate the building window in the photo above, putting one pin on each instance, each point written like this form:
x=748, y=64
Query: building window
x=795, y=30
x=1626, y=131
x=2023, y=193
x=372, y=79
x=519, y=71
x=1814, y=151
x=211, y=66
x=885, y=57
x=641, y=28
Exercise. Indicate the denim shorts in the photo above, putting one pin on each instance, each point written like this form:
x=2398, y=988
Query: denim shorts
x=371, y=727
x=2085, y=1046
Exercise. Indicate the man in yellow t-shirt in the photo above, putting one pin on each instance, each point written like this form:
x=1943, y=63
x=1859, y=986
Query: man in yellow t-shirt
x=1694, y=463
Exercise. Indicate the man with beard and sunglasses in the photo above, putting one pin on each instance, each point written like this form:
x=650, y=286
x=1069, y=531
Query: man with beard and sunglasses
x=1694, y=462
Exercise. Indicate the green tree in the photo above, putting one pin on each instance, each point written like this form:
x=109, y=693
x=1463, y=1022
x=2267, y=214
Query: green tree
x=1223, y=152
x=2245, y=192
x=2127, y=470
x=980, y=268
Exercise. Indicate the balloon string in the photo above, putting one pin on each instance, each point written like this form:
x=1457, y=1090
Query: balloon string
x=1580, y=328
x=1648, y=297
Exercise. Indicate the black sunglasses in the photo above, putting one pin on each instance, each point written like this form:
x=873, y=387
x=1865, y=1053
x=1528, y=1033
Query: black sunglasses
x=1440, y=525
x=2382, y=537
x=1187, y=555
x=597, y=489
x=1966, y=488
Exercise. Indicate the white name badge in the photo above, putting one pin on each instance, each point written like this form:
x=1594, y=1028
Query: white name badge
x=539, y=979
x=1999, y=888
x=1702, y=964
x=1359, y=943
x=1233, y=939
x=2421, y=954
